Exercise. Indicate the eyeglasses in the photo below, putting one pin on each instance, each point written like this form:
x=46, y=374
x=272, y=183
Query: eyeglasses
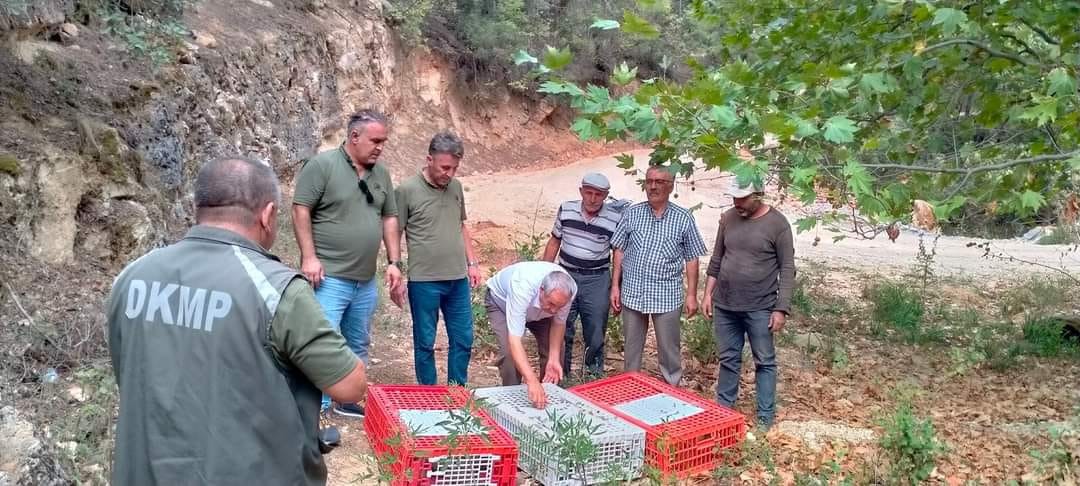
x=367, y=192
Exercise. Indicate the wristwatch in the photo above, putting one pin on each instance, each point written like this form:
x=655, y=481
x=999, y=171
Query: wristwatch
x=396, y=263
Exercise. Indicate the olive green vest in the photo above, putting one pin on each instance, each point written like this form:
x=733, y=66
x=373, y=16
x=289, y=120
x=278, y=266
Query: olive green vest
x=202, y=399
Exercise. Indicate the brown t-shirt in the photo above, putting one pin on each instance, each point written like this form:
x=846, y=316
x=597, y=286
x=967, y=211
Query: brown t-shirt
x=753, y=263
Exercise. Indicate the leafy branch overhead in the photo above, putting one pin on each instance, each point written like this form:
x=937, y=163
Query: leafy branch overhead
x=867, y=104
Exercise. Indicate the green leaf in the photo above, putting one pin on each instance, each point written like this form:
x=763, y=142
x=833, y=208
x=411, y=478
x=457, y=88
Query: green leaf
x=724, y=115
x=1074, y=163
x=604, y=24
x=522, y=57
x=1032, y=200
x=840, y=129
x=585, y=129
x=556, y=59
x=803, y=128
x=778, y=125
x=805, y=224
x=555, y=87
x=1061, y=83
x=626, y=161
x=623, y=74
x=838, y=238
x=950, y=19
x=1044, y=110
x=804, y=174
x=635, y=25
x=858, y=179
x=877, y=83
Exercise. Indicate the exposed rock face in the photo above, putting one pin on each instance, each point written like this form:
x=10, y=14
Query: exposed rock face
x=24, y=460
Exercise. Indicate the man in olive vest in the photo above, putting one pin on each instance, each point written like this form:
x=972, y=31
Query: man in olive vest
x=220, y=351
x=343, y=207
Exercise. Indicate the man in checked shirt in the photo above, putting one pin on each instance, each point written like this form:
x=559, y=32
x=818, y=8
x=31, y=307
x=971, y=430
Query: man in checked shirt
x=656, y=242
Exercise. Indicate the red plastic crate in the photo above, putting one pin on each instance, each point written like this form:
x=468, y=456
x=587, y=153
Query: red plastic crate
x=427, y=460
x=679, y=448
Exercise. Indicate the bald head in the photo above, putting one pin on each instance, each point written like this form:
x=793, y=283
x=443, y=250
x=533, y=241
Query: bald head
x=233, y=190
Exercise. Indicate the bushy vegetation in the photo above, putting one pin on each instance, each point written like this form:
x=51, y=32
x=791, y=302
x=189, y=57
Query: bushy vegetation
x=481, y=36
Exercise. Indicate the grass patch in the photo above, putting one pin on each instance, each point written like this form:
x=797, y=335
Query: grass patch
x=1045, y=337
x=10, y=165
x=899, y=308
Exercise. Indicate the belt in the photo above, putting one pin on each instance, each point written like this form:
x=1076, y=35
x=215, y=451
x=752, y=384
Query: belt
x=587, y=271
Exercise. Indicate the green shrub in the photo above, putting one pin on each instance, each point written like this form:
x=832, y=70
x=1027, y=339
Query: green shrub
x=911, y=445
x=700, y=339
x=900, y=308
x=1044, y=337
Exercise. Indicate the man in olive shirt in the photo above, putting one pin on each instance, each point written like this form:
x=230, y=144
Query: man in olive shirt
x=442, y=264
x=220, y=350
x=343, y=207
x=748, y=292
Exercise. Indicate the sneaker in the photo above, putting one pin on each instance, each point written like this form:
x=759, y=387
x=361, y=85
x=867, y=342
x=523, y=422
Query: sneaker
x=349, y=410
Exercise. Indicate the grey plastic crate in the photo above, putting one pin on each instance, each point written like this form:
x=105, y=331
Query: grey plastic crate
x=620, y=444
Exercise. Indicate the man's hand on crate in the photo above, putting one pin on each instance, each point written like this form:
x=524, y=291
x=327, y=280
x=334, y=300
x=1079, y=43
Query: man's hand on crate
x=537, y=395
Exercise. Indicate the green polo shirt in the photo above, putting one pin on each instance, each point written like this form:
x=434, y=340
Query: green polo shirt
x=346, y=228
x=431, y=219
x=301, y=335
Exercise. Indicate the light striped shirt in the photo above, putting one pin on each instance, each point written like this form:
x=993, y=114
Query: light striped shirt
x=655, y=252
x=585, y=243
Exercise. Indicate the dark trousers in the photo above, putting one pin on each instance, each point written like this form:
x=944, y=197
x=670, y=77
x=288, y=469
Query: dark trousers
x=592, y=304
x=540, y=329
x=425, y=301
x=730, y=328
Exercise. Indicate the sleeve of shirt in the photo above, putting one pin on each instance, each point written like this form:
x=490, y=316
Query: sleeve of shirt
x=785, y=252
x=517, y=305
x=461, y=197
x=401, y=199
x=622, y=232
x=389, y=207
x=693, y=244
x=301, y=337
x=713, y=270
x=310, y=185
x=556, y=230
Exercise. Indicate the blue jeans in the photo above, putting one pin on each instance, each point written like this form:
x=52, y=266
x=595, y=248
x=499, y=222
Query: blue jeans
x=349, y=306
x=591, y=303
x=425, y=301
x=730, y=328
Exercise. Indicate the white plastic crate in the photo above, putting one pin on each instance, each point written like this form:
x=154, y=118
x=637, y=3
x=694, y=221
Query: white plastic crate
x=620, y=444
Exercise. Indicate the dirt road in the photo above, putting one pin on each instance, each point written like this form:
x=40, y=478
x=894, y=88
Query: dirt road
x=525, y=202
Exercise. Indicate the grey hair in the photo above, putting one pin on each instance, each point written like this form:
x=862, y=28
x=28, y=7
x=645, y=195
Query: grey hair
x=365, y=117
x=234, y=189
x=662, y=169
x=559, y=281
x=446, y=143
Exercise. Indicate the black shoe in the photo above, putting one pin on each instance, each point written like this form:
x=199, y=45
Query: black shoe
x=349, y=410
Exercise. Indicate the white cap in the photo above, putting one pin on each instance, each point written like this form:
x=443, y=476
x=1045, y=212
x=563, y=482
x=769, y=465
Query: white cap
x=738, y=191
x=596, y=180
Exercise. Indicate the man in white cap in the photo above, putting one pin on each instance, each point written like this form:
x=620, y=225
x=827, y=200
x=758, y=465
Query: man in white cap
x=748, y=293
x=581, y=240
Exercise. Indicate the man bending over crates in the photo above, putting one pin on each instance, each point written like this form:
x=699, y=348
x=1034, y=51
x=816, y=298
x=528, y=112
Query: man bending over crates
x=534, y=296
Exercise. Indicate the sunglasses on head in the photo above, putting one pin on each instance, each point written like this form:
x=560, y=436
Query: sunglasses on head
x=367, y=191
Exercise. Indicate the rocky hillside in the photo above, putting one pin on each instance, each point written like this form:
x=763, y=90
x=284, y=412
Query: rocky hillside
x=105, y=125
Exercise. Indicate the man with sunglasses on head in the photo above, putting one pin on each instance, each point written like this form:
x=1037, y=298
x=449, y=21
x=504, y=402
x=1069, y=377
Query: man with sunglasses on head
x=343, y=208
